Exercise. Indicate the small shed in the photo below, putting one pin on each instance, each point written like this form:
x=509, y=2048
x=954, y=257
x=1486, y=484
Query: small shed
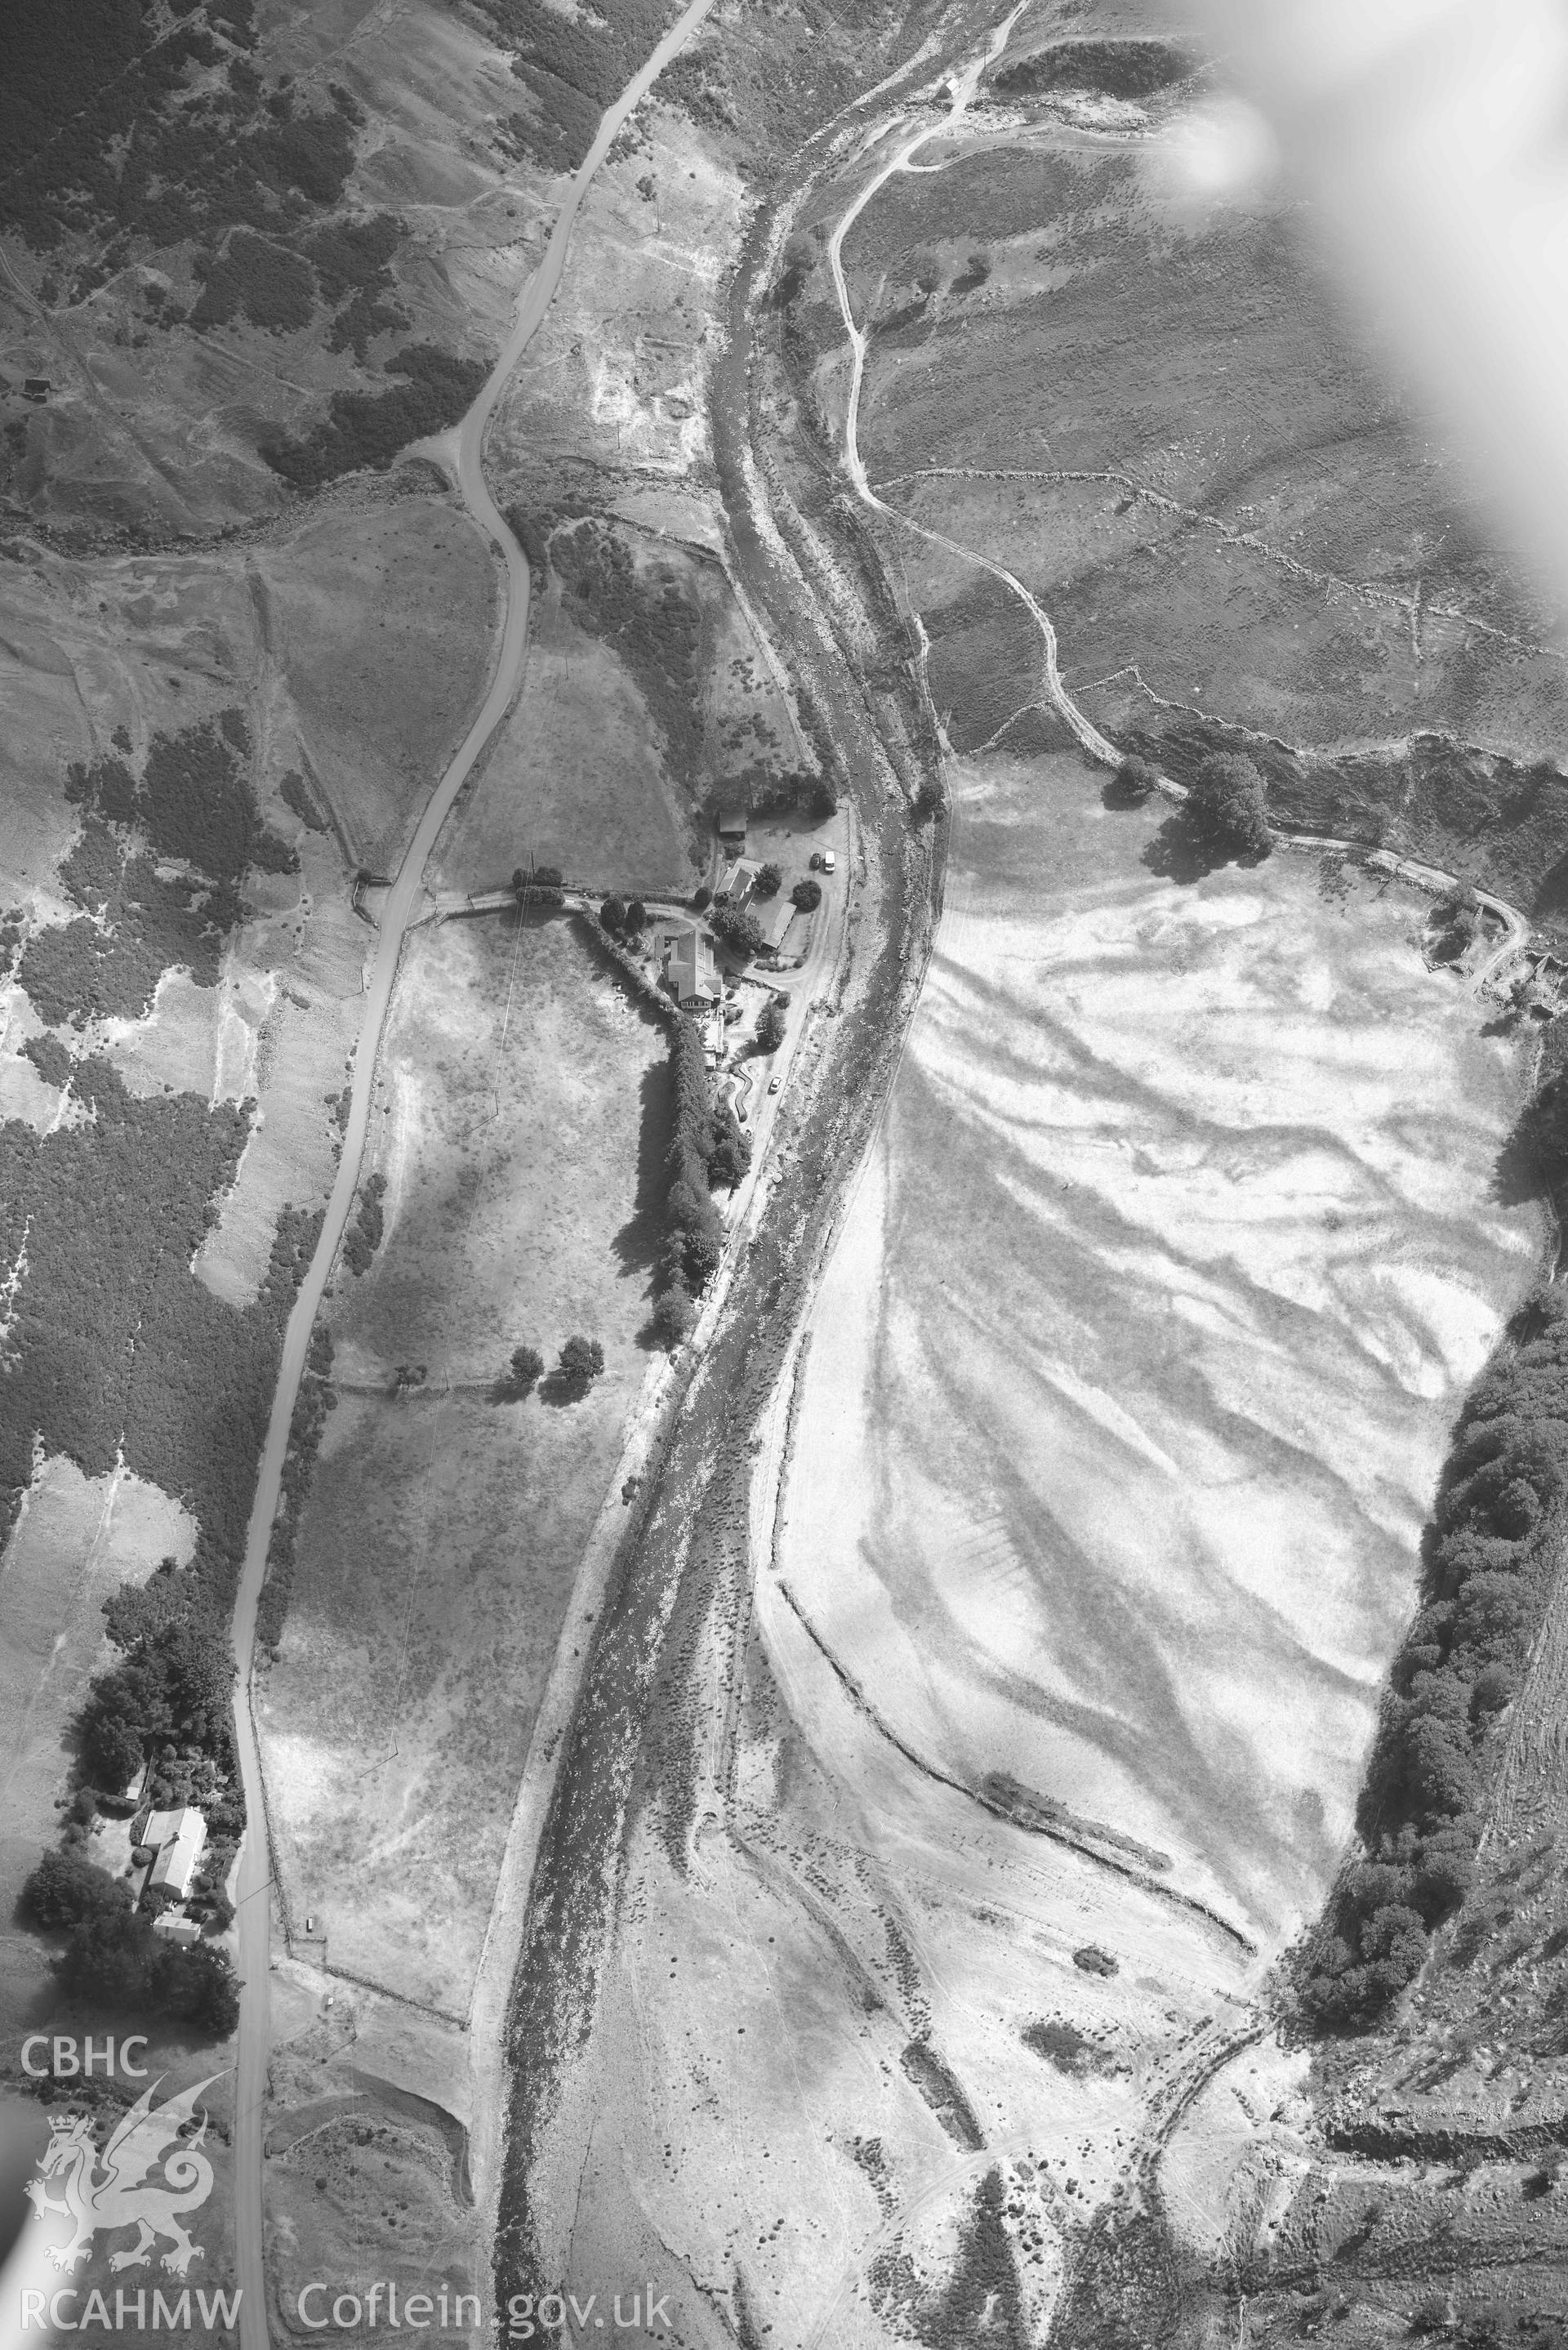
x=732, y=827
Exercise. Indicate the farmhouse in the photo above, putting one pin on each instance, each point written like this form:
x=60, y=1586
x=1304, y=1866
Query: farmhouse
x=179, y=1836
x=686, y=954
x=740, y=882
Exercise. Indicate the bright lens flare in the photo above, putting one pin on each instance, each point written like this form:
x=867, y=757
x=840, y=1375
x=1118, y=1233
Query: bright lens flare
x=1226, y=149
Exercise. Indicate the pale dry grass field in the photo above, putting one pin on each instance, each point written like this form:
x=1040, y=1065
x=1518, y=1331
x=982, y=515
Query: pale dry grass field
x=1131, y=1376
x=523, y=1092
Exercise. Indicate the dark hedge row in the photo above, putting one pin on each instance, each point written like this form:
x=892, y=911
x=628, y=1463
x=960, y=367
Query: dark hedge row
x=315, y=1400
x=1488, y=1559
x=694, y=1229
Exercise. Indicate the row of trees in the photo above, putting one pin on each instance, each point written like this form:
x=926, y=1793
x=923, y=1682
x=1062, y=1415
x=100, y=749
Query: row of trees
x=1488, y=1559
x=580, y=1362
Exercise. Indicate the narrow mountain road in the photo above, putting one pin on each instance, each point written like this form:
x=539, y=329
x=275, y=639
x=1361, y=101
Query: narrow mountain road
x=254, y=1882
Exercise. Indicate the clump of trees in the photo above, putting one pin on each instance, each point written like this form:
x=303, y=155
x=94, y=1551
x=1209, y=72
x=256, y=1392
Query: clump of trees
x=808, y=894
x=363, y=1237
x=731, y=1156
x=1226, y=813
x=770, y=1029
x=369, y=429
x=543, y=885
x=1132, y=784
x=580, y=1362
x=113, y=1953
x=739, y=929
x=769, y=881
x=1488, y=1558
x=612, y=913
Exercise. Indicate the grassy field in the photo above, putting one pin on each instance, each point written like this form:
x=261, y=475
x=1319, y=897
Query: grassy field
x=519, y=1128
x=1266, y=539
x=364, y=614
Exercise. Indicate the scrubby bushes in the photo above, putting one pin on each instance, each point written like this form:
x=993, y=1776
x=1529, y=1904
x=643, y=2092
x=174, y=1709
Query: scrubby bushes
x=363, y=1237
x=649, y=617
x=295, y=795
x=371, y=428
x=1486, y=1565
x=770, y=1029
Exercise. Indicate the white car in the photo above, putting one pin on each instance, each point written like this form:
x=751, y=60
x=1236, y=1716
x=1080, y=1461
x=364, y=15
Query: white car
x=774, y=1084
x=829, y=861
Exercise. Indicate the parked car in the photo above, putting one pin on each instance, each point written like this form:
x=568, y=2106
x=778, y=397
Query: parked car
x=774, y=1084
x=829, y=862
x=816, y=860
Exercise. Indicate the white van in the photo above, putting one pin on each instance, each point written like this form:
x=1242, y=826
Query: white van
x=829, y=862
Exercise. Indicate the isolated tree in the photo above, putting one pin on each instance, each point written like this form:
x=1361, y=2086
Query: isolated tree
x=807, y=895
x=1226, y=813
x=673, y=1315
x=612, y=913
x=769, y=881
x=581, y=1364
x=1133, y=782
x=701, y=896
x=527, y=1367
x=770, y=1029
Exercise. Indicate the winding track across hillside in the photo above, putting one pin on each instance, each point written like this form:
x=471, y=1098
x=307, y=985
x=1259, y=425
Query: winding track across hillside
x=963, y=87
x=254, y=1890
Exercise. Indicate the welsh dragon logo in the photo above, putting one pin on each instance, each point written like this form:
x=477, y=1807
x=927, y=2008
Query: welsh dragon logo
x=149, y=2178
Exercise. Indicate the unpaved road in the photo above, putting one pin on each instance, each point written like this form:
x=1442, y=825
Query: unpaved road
x=254, y=1880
